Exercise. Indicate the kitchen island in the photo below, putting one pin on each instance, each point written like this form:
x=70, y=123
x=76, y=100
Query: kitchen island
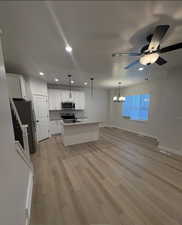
x=80, y=132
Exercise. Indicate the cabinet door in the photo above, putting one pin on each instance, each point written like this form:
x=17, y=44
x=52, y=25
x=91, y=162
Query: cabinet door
x=23, y=87
x=76, y=99
x=53, y=127
x=65, y=96
x=57, y=99
x=80, y=100
x=61, y=128
x=14, y=86
x=51, y=97
x=59, y=131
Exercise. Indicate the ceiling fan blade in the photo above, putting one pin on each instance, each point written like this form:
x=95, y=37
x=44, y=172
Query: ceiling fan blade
x=131, y=64
x=158, y=34
x=126, y=53
x=171, y=48
x=160, y=61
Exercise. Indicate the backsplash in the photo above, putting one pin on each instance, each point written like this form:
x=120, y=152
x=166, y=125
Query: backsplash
x=56, y=114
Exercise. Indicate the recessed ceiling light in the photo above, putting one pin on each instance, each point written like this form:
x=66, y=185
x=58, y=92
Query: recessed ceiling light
x=56, y=79
x=141, y=68
x=41, y=74
x=85, y=83
x=72, y=81
x=68, y=48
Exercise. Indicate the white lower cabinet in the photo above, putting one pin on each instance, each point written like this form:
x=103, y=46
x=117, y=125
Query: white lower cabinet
x=55, y=127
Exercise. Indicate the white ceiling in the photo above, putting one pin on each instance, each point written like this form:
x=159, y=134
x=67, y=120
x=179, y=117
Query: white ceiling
x=35, y=34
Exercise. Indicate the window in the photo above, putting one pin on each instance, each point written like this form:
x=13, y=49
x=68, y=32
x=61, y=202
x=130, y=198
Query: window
x=136, y=107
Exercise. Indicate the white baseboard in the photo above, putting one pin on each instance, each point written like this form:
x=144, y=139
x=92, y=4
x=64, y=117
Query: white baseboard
x=138, y=133
x=29, y=199
x=170, y=150
x=108, y=125
x=103, y=124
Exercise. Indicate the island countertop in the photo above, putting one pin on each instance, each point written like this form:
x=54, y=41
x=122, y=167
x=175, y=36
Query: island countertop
x=81, y=122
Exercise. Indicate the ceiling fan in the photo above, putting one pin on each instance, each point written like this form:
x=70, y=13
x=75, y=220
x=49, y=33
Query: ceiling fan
x=150, y=53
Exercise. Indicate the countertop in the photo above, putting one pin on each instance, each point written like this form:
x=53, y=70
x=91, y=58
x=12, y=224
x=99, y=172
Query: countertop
x=55, y=119
x=82, y=122
x=80, y=119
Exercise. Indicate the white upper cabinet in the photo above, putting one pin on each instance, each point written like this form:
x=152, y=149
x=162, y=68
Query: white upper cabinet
x=65, y=96
x=16, y=86
x=79, y=100
x=57, y=96
x=51, y=99
x=54, y=96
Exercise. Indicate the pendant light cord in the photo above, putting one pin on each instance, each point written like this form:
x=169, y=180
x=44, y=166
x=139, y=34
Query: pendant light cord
x=70, y=95
x=92, y=91
x=119, y=91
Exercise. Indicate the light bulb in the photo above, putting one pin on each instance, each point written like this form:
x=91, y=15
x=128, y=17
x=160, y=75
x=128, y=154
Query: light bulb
x=115, y=98
x=122, y=99
x=68, y=48
x=41, y=74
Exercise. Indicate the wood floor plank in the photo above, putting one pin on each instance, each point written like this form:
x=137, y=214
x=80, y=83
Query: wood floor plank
x=121, y=179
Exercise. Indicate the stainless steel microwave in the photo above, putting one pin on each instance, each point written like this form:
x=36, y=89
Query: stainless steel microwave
x=68, y=105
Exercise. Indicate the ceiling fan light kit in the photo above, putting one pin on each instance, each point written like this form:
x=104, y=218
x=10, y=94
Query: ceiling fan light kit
x=149, y=59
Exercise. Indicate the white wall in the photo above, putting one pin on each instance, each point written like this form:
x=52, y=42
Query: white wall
x=96, y=106
x=14, y=173
x=165, y=118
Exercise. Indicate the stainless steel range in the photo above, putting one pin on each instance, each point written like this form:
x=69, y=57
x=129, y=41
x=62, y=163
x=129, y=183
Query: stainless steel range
x=69, y=117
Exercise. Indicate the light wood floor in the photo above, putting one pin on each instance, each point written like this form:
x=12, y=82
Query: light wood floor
x=122, y=179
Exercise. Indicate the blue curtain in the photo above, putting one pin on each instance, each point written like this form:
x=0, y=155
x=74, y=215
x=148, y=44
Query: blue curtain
x=136, y=107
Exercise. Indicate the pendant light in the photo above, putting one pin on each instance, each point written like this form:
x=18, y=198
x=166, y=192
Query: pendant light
x=69, y=78
x=119, y=98
x=92, y=86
